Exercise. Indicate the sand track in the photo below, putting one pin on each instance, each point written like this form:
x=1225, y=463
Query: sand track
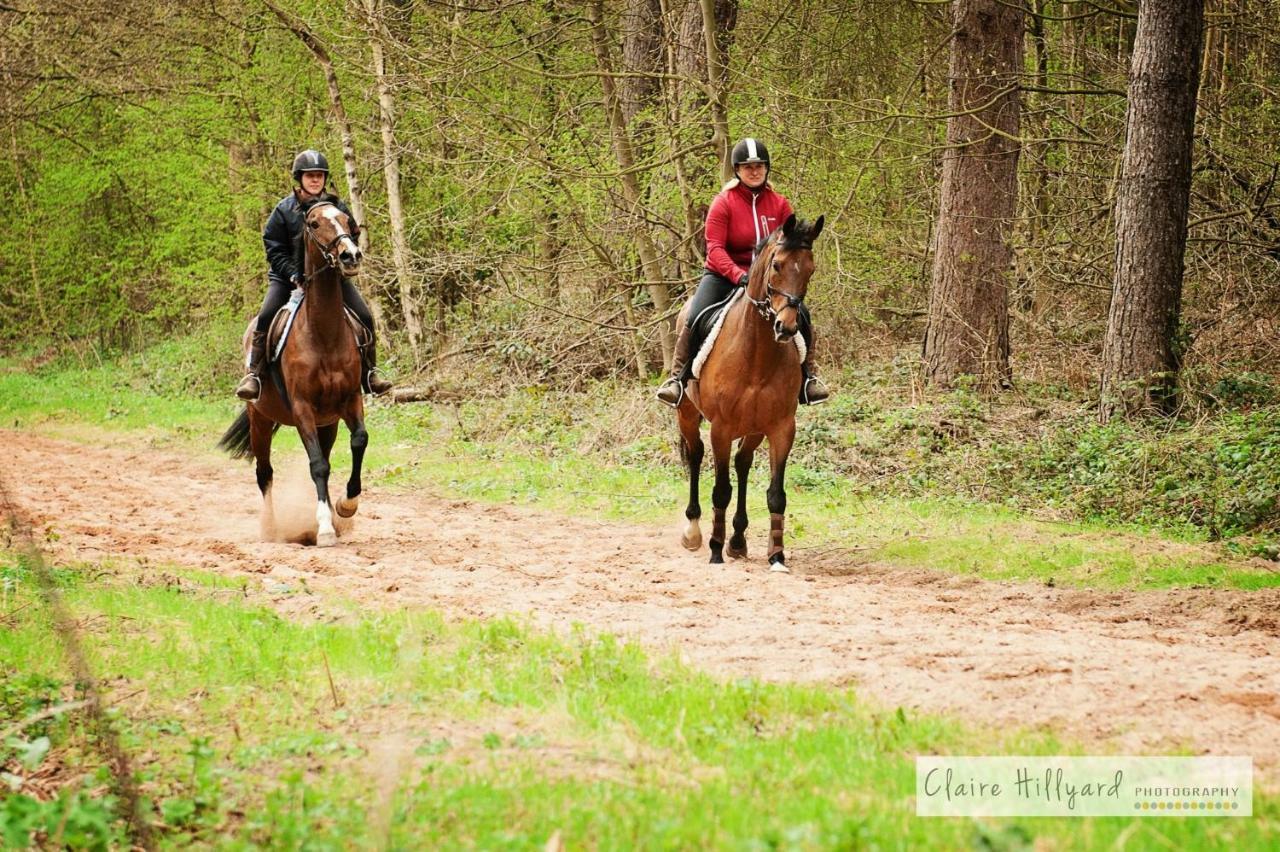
x=1134, y=671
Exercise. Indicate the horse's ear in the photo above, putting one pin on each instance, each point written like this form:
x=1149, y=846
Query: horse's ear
x=816, y=229
x=355, y=229
x=789, y=225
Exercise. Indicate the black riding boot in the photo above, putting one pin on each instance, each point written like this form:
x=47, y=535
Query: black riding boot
x=672, y=390
x=250, y=387
x=374, y=383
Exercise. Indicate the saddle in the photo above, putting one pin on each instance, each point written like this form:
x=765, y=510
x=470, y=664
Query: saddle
x=282, y=324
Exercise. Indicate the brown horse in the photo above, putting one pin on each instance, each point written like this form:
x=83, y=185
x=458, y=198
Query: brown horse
x=748, y=389
x=316, y=381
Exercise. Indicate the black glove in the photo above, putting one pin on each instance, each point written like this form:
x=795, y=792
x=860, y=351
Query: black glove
x=742, y=282
x=295, y=279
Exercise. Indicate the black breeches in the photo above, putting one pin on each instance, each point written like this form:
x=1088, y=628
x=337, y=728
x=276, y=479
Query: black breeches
x=277, y=297
x=712, y=288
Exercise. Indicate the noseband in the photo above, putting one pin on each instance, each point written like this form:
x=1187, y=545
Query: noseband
x=326, y=249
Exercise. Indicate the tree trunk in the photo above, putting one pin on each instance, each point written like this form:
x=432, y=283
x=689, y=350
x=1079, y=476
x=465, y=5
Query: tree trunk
x=1141, y=354
x=968, y=329
x=624, y=151
x=391, y=174
x=717, y=82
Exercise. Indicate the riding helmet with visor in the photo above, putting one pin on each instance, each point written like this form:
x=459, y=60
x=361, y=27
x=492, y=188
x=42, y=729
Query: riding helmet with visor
x=309, y=160
x=749, y=150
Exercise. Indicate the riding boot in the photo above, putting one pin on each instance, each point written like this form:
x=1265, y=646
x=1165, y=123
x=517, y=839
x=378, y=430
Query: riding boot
x=250, y=387
x=672, y=390
x=813, y=391
x=374, y=383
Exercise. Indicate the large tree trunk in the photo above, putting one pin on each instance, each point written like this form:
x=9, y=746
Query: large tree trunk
x=624, y=151
x=391, y=174
x=717, y=83
x=968, y=330
x=1141, y=355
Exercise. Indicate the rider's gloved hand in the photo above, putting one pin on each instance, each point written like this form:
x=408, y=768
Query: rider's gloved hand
x=742, y=282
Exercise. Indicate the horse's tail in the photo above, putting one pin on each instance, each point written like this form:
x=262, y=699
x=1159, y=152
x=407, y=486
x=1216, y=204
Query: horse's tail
x=236, y=439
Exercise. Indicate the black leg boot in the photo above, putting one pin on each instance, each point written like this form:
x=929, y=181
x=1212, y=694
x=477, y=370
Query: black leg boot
x=672, y=390
x=250, y=387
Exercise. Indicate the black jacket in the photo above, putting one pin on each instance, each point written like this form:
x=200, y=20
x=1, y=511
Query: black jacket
x=284, y=225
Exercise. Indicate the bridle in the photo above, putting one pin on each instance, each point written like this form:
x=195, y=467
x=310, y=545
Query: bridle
x=326, y=249
x=765, y=306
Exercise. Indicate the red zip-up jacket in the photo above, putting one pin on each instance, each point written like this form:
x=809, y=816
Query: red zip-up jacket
x=737, y=220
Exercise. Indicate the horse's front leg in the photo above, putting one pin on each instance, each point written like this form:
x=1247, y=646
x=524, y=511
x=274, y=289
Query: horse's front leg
x=317, y=452
x=742, y=467
x=692, y=449
x=779, y=448
x=721, y=444
x=359, y=441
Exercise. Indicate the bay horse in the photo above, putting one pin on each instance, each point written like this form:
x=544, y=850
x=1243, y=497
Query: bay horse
x=316, y=380
x=748, y=389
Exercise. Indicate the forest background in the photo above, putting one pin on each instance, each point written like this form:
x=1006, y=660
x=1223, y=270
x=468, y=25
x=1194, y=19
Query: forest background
x=533, y=175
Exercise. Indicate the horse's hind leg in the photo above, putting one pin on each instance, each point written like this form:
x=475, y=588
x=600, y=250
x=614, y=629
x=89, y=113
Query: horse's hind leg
x=261, y=428
x=742, y=467
x=721, y=444
x=359, y=441
x=691, y=449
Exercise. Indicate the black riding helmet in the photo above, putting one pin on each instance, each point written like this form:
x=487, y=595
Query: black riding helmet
x=309, y=160
x=749, y=150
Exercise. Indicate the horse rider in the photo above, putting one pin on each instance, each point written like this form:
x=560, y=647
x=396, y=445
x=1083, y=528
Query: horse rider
x=747, y=210
x=283, y=229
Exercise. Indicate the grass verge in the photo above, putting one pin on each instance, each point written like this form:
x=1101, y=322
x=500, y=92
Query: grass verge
x=403, y=731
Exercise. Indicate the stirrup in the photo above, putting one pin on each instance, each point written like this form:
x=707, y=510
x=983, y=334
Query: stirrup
x=373, y=375
x=679, y=385
x=243, y=391
x=804, y=391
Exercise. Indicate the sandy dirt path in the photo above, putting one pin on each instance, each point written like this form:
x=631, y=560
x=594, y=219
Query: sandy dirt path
x=1133, y=671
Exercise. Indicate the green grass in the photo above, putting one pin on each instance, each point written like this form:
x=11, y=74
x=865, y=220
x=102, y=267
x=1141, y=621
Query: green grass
x=612, y=454
x=482, y=734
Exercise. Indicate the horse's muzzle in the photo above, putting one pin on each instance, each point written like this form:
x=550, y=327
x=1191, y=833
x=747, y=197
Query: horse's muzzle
x=782, y=333
x=350, y=261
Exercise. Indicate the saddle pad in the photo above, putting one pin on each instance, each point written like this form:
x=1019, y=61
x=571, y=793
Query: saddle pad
x=714, y=315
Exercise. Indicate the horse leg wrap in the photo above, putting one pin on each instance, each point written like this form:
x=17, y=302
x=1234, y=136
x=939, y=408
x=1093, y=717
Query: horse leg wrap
x=716, y=542
x=775, y=536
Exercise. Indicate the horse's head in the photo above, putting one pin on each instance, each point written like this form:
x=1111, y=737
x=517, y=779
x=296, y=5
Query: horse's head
x=336, y=235
x=780, y=278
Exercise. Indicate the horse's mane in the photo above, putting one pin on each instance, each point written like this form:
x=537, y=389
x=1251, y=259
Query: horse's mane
x=801, y=237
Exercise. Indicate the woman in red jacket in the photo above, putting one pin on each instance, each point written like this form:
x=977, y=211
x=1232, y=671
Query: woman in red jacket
x=746, y=211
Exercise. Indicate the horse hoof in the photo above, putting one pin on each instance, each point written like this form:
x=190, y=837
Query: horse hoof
x=326, y=539
x=736, y=551
x=717, y=552
x=692, y=536
x=346, y=508
x=777, y=566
